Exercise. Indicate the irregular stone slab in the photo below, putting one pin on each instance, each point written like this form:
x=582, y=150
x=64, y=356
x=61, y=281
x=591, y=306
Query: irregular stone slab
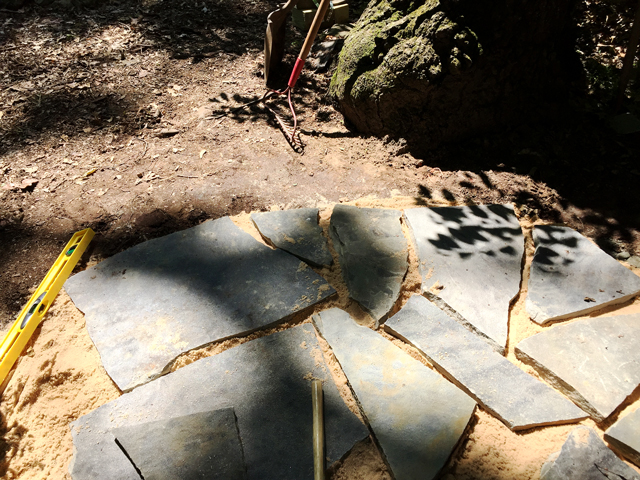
x=147, y=305
x=516, y=398
x=416, y=415
x=266, y=381
x=594, y=361
x=373, y=255
x=200, y=445
x=624, y=436
x=571, y=276
x=297, y=232
x=585, y=457
x=470, y=261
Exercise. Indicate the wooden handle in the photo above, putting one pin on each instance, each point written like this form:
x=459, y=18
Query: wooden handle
x=313, y=31
x=308, y=42
x=318, y=430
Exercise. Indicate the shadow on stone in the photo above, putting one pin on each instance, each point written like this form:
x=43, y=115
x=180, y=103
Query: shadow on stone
x=148, y=304
x=470, y=263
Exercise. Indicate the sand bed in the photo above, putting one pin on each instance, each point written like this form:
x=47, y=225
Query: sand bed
x=60, y=378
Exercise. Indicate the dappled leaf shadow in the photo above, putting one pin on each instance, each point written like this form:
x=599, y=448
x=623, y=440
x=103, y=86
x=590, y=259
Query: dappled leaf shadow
x=470, y=230
x=63, y=94
x=573, y=170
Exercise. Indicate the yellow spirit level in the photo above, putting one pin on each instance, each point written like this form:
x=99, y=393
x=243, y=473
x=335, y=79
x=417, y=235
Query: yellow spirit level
x=38, y=305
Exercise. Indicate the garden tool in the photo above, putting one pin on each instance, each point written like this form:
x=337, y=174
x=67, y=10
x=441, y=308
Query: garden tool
x=291, y=132
x=274, y=38
x=38, y=305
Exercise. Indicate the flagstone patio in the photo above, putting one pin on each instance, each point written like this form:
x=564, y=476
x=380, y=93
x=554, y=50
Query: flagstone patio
x=247, y=410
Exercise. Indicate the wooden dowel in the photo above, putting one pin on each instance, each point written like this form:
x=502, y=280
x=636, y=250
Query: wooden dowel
x=313, y=31
x=318, y=430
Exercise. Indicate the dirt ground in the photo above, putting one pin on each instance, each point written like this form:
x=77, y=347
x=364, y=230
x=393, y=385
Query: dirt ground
x=87, y=96
x=104, y=123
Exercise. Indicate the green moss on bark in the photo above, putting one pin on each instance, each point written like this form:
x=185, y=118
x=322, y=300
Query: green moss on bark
x=419, y=69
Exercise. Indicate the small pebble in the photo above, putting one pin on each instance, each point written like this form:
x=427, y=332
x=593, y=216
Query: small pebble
x=634, y=261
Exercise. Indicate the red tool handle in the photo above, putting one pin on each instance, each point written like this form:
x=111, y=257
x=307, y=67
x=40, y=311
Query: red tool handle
x=308, y=42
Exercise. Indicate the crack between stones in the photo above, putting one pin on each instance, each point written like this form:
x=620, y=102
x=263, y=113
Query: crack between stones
x=244, y=222
x=520, y=297
x=126, y=454
x=412, y=280
x=333, y=275
x=560, y=385
x=213, y=348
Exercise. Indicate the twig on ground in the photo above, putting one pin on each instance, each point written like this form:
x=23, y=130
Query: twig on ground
x=51, y=190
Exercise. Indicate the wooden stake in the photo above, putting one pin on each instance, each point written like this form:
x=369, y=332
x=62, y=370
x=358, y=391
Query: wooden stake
x=318, y=430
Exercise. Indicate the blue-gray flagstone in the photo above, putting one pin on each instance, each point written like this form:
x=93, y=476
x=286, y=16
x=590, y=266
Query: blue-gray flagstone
x=571, y=276
x=147, y=305
x=594, y=361
x=297, y=232
x=373, y=255
x=266, y=381
x=192, y=447
x=585, y=457
x=417, y=416
x=470, y=261
x=624, y=436
x=515, y=397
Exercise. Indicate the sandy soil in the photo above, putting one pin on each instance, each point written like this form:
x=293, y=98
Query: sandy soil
x=60, y=378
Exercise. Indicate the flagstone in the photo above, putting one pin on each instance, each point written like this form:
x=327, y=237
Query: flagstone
x=515, y=397
x=147, y=305
x=470, y=261
x=585, y=457
x=571, y=276
x=373, y=255
x=200, y=445
x=624, y=436
x=266, y=381
x=417, y=416
x=297, y=232
x=594, y=361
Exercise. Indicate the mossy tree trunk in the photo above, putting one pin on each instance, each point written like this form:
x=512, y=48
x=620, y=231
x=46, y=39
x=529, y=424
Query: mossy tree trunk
x=437, y=70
